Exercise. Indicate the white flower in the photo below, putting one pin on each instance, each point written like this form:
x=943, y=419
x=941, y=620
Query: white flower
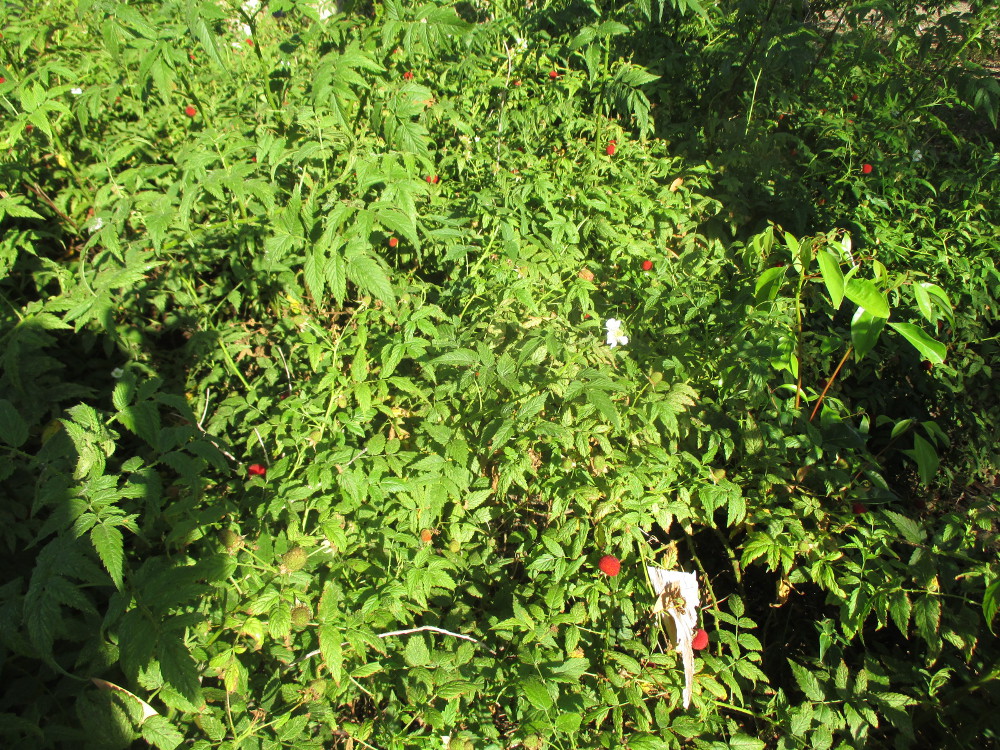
x=615, y=337
x=76, y=91
x=916, y=155
x=676, y=604
x=117, y=373
x=520, y=44
x=476, y=139
x=423, y=20
x=97, y=225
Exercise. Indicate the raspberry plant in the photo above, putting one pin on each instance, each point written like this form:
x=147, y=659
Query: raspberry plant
x=356, y=363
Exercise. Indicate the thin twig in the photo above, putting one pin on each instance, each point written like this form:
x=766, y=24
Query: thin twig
x=285, y=363
x=41, y=194
x=830, y=381
x=411, y=631
x=260, y=440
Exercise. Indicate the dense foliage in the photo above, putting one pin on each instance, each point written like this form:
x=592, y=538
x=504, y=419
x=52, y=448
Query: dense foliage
x=355, y=365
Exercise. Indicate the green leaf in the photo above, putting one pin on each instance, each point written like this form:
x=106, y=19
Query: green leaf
x=900, y=608
x=769, y=284
x=745, y=742
x=159, y=732
x=807, y=681
x=926, y=457
x=108, y=542
x=177, y=666
x=416, y=653
x=865, y=330
x=833, y=277
x=370, y=277
x=991, y=602
x=332, y=651
x=927, y=617
x=864, y=293
x=930, y=349
x=536, y=693
x=13, y=428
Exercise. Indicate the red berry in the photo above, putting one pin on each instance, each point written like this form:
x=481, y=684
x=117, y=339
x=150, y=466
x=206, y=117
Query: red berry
x=553, y=75
x=256, y=470
x=859, y=508
x=29, y=127
x=408, y=76
x=854, y=97
x=866, y=168
x=393, y=241
x=517, y=83
x=250, y=42
x=3, y=80
x=610, y=565
x=612, y=147
x=700, y=639
x=190, y=111
x=432, y=179
x=647, y=265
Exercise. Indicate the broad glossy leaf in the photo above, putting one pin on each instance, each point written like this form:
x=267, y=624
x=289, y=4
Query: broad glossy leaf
x=930, y=349
x=864, y=293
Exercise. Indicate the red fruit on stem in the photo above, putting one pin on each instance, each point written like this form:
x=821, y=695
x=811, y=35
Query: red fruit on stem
x=866, y=168
x=393, y=241
x=854, y=97
x=610, y=565
x=408, y=76
x=256, y=470
x=250, y=42
x=647, y=265
x=553, y=75
x=517, y=83
x=859, y=508
x=3, y=80
x=190, y=111
x=612, y=147
x=700, y=639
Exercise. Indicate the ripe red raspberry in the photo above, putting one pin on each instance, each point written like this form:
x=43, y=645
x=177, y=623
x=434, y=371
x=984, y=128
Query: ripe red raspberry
x=610, y=565
x=553, y=75
x=432, y=179
x=256, y=470
x=517, y=83
x=647, y=265
x=408, y=76
x=859, y=508
x=866, y=168
x=393, y=241
x=612, y=147
x=700, y=640
x=190, y=111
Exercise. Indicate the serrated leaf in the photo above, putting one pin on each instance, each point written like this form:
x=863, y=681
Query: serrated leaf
x=536, y=693
x=13, y=428
x=416, y=653
x=177, y=666
x=108, y=541
x=369, y=276
x=807, y=682
x=927, y=617
x=330, y=648
x=991, y=602
x=158, y=731
x=899, y=609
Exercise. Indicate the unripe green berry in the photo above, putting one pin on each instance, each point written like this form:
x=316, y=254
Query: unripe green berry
x=301, y=616
x=294, y=560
